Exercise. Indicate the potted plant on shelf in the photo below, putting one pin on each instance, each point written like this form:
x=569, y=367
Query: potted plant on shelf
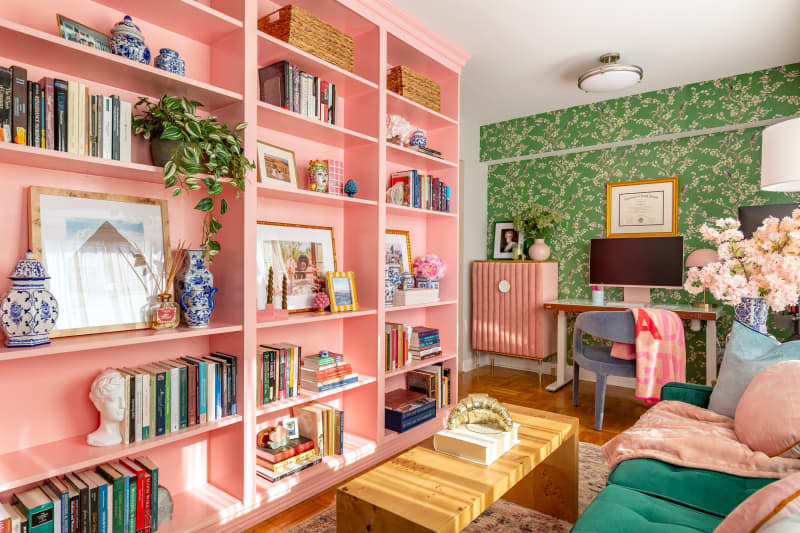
x=195, y=153
x=537, y=223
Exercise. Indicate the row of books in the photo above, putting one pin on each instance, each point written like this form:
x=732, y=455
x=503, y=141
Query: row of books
x=62, y=115
x=279, y=372
x=433, y=381
x=285, y=85
x=170, y=395
x=405, y=343
x=117, y=497
x=406, y=409
x=422, y=191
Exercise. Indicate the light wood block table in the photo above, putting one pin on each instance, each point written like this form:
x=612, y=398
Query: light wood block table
x=421, y=490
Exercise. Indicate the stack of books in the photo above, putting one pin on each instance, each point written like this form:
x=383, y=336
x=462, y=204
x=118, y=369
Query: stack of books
x=326, y=371
x=279, y=372
x=275, y=464
x=397, y=339
x=168, y=396
x=285, y=85
x=424, y=343
x=422, y=191
x=116, y=497
x=406, y=409
x=432, y=381
x=61, y=115
x=427, y=151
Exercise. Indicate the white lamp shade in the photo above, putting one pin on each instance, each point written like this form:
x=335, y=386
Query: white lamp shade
x=611, y=78
x=780, y=156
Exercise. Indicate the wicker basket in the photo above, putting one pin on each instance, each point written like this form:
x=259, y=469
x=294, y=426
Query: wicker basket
x=300, y=28
x=414, y=86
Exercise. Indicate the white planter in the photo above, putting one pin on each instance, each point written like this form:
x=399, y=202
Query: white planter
x=539, y=251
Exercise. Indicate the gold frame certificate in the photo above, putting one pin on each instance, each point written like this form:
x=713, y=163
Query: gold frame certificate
x=643, y=208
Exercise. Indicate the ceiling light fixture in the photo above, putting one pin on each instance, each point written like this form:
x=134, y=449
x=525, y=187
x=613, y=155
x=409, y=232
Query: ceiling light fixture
x=611, y=76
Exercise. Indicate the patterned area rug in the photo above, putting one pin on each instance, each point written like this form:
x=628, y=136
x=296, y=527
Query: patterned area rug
x=505, y=516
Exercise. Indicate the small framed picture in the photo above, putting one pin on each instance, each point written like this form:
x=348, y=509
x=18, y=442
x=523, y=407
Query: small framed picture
x=642, y=208
x=342, y=291
x=78, y=33
x=291, y=426
x=505, y=237
x=398, y=249
x=276, y=166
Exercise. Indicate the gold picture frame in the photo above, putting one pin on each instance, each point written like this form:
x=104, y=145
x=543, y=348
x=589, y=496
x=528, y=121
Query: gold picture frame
x=406, y=246
x=343, y=296
x=648, y=205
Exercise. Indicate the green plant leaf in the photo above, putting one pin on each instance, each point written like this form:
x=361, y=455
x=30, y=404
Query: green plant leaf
x=240, y=126
x=193, y=129
x=213, y=246
x=206, y=204
x=176, y=191
x=215, y=189
x=191, y=153
x=171, y=133
x=170, y=169
x=214, y=225
x=170, y=182
x=223, y=206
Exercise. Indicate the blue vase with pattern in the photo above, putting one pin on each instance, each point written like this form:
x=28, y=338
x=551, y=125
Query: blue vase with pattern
x=752, y=312
x=168, y=60
x=418, y=139
x=127, y=41
x=427, y=283
x=406, y=281
x=194, y=288
x=388, y=291
x=29, y=310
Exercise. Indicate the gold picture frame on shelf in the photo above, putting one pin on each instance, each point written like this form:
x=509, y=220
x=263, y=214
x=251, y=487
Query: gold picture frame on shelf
x=342, y=291
x=397, y=244
x=642, y=208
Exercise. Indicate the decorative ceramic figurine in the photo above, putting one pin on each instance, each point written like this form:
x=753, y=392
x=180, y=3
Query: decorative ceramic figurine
x=406, y=281
x=278, y=437
x=195, y=285
x=318, y=175
x=320, y=302
x=108, y=396
x=29, y=310
x=350, y=188
x=127, y=41
x=418, y=139
x=168, y=60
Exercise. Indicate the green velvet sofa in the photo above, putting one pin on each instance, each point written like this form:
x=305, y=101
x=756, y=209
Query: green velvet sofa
x=649, y=496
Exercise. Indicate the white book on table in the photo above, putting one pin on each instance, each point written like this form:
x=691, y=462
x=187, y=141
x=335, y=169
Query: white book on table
x=479, y=448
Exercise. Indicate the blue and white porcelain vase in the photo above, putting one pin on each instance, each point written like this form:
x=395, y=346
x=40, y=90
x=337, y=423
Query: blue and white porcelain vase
x=194, y=287
x=752, y=312
x=388, y=291
x=127, y=41
x=29, y=310
x=418, y=139
x=168, y=60
x=406, y=281
x=427, y=283
x=393, y=274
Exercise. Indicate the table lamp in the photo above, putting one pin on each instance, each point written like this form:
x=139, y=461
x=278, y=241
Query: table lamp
x=700, y=258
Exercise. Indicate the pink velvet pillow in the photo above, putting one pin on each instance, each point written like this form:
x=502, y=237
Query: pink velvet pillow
x=768, y=415
x=765, y=507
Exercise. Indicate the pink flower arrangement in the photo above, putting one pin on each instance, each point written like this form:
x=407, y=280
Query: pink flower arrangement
x=429, y=266
x=764, y=266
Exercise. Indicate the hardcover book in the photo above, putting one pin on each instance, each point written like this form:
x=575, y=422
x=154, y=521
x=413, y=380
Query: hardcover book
x=19, y=100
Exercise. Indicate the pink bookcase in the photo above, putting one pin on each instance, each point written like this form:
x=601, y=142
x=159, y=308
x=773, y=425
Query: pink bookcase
x=210, y=469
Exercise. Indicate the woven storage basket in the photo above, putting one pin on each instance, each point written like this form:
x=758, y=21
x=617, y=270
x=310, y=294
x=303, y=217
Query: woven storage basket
x=414, y=86
x=300, y=28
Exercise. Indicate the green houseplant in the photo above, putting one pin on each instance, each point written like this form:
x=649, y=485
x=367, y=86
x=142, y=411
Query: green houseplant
x=195, y=153
x=537, y=223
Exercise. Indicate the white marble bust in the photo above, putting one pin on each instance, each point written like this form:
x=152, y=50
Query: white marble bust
x=108, y=396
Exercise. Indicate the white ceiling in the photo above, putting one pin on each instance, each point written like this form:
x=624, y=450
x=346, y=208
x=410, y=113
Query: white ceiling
x=527, y=54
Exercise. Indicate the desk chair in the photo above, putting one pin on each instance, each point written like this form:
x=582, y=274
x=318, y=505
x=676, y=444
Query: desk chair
x=615, y=326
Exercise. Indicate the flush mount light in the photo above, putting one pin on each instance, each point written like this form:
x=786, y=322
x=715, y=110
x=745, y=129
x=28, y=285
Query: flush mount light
x=611, y=76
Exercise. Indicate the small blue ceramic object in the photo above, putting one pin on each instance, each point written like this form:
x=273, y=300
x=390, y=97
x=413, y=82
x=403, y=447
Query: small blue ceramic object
x=127, y=41
x=29, y=310
x=425, y=283
x=194, y=286
x=168, y=60
x=406, y=281
x=752, y=312
x=350, y=188
x=388, y=291
x=418, y=139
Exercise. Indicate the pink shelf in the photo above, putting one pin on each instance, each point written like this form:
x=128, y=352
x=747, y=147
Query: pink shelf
x=305, y=396
x=414, y=159
x=277, y=118
x=415, y=364
x=111, y=340
x=29, y=465
x=199, y=508
x=51, y=52
x=418, y=115
x=272, y=50
x=267, y=191
x=416, y=211
x=305, y=318
x=185, y=17
x=391, y=308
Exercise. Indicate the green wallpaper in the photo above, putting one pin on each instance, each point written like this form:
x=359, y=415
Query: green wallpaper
x=717, y=172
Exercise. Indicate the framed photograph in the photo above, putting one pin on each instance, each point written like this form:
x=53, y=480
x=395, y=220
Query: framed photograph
x=78, y=33
x=276, y=166
x=291, y=426
x=398, y=249
x=643, y=208
x=505, y=237
x=342, y=291
x=95, y=248
x=303, y=253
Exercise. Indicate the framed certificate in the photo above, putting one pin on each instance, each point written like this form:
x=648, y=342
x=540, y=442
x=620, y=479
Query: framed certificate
x=644, y=208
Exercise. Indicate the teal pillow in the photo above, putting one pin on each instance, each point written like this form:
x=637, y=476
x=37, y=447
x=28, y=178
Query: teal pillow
x=748, y=352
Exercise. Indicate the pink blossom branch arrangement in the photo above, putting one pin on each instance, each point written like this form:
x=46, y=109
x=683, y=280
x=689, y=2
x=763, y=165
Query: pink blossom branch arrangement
x=764, y=266
x=429, y=266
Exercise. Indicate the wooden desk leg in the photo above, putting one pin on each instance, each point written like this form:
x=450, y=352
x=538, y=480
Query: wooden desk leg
x=354, y=515
x=552, y=487
x=561, y=354
x=711, y=352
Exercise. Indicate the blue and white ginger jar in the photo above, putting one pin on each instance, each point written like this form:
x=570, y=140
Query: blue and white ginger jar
x=388, y=291
x=752, y=312
x=194, y=287
x=127, y=41
x=29, y=310
x=406, y=281
x=427, y=283
x=168, y=60
x=418, y=139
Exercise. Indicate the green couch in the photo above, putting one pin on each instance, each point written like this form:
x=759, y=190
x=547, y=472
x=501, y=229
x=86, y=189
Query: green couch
x=649, y=496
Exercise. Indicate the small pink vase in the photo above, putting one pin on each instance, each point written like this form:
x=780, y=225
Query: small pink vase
x=539, y=251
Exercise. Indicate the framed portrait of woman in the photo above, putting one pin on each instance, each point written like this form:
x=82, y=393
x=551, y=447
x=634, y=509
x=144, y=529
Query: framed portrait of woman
x=505, y=237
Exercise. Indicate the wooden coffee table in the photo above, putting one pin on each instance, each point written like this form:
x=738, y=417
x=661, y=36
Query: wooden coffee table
x=423, y=490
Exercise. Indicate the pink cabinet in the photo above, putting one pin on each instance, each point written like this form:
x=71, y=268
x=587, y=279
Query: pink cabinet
x=508, y=316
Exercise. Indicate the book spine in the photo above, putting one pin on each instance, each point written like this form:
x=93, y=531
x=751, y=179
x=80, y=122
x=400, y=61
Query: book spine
x=211, y=371
x=218, y=389
x=296, y=84
x=145, y=406
x=154, y=499
x=118, y=512
x=19, y=99
x=83, y=122
x=31, y=135
x=175, y=400
x=161, y=396
x=140, y=500
x=115, y=128
x=147, y=502
x=202, y=400
x=6, y=106
x=184, y=397
x=192, y=377
x=48, y=118
x=102, y=508
x=131, y=409
x=72, y=117
x=138, y=408
x=40, y=106
x=74, y=513
x=125, y=132
x=132, y=498
x=94, y=516
x=107, y=144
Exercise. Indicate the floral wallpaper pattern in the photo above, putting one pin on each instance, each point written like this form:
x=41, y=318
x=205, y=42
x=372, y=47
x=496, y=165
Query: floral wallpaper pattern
x=717, y=172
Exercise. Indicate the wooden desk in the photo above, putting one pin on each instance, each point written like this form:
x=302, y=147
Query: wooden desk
x=422, y=490
x=576, y=305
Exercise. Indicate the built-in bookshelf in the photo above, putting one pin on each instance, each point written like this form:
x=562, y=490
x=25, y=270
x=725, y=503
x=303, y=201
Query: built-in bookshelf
x=210, y=468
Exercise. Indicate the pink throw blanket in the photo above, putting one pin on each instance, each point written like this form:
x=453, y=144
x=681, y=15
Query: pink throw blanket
x=660, y=351
x=686, y=435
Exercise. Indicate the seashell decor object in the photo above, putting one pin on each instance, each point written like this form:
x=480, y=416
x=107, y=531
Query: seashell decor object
x=480, y=408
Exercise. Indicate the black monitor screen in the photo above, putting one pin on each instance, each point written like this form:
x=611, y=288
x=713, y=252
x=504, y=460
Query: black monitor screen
x=642, y=261
x=751, y=216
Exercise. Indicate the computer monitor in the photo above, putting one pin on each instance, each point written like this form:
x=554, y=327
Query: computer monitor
x=751, y=216
x=637, y=263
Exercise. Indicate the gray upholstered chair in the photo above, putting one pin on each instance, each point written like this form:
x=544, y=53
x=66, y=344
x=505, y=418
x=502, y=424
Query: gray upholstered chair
x=615, y=326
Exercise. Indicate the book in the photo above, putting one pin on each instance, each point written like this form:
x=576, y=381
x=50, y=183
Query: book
x=37, y=508
x=201, y=369
x=476, y=447
x=6, y=110
x=92, y=126
x=83, y=119
x=72, y=117
x=61, y=489
x=107, y=118
x=291, y=448
x=222, y=379
x=272, y=84
x=56, y=499
x=125, y=131
x=48, y=112
x=115, y=124
x=410, y=414
x=104, y=501
x=286, y=464
x=74, y=506
x=232, y=377
x=84, y=509
x=348, y=379
x=273, y=477
x=19, y=102
x=130, y=497
x=211, y=377
x=310, y=425
x=16, y=518
x=152, y=507
x=30, y=132
x=139, y=505
x=116, y=482
x=93, y=503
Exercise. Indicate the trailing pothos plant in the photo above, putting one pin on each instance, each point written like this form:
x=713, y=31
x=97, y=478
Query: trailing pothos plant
x=207, y=154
